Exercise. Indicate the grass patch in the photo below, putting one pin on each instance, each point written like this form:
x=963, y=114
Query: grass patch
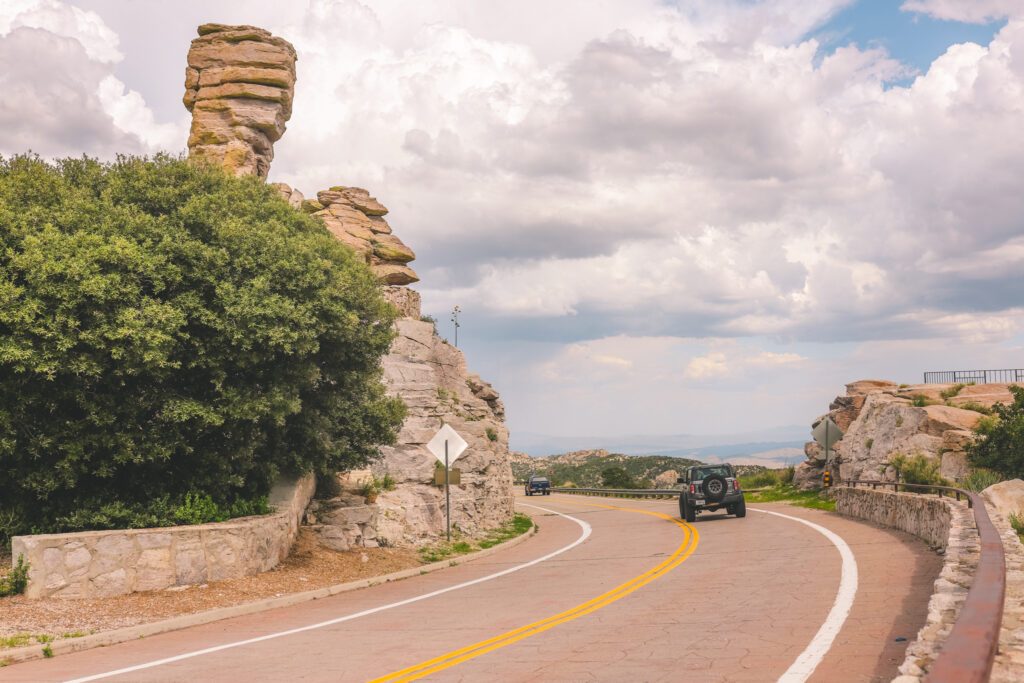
x=767, y=478
x=813, y=498
x=1017, y=522
x=47, y=652
x=920, y=401
x=23, y=639
x=436, y=552
x=979, y=480
x=952, y=391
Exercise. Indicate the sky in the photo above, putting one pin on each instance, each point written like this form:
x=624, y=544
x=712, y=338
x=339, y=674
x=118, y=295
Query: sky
x=657, y=217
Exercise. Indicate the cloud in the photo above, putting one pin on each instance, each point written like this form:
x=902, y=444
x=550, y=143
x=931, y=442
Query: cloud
x=731, y=359
x=970, y=11
x=60, y=95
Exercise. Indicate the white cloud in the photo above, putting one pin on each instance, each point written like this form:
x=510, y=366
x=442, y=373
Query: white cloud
x=972, y=11
x=60, y=95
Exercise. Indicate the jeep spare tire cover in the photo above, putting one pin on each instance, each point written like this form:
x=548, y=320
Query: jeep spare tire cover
x=714, y=488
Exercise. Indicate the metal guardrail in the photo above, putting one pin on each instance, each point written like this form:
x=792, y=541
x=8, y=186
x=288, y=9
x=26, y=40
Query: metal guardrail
x=978, y=376
x=627, y=493
x=970, y=649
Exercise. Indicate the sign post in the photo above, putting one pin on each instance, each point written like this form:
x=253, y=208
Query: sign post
x=447, y=444
x=827, y=433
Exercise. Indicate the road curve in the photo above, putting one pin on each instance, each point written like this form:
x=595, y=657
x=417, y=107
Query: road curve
x=722, y=600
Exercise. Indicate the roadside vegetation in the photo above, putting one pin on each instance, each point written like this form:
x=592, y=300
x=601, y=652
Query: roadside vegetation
x=436, y=552
x=999, y=445
x=777, y=485
x=173, y=338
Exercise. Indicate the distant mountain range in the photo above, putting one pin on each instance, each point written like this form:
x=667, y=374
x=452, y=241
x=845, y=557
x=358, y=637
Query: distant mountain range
x=770, y=448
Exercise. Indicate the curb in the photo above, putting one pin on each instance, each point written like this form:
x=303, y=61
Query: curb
x=121, y=635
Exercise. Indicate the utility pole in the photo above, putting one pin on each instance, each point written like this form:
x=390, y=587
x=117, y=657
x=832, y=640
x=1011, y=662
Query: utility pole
x=455, y=319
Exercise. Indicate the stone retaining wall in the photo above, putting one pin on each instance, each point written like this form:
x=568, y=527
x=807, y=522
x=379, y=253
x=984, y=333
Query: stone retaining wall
x=101, y=563
x=940, y=522
x=926, y=517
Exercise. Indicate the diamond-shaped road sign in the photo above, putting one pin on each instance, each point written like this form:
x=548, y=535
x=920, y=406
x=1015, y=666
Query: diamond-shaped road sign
x=456, y=444
x=826, y=433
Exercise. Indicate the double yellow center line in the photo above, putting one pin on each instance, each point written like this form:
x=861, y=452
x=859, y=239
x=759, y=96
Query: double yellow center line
x=458, y=656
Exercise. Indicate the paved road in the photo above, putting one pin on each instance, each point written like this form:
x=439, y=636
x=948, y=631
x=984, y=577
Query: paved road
x=644, y=597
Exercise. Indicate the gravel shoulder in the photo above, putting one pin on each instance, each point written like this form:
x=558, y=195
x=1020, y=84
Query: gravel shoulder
x=308, y=567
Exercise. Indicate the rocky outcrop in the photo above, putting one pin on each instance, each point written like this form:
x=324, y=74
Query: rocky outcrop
x=239, y=86
x=431, y=377
x=880, y=419
x=357, y=219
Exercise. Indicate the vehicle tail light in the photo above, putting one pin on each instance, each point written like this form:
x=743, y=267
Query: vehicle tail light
x=693, y=489
x=735, y=485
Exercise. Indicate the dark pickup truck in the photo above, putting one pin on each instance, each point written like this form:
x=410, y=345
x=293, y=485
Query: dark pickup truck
x=538, y=484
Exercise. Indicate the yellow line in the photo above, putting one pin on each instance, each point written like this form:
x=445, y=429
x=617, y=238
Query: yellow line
x=466, y=653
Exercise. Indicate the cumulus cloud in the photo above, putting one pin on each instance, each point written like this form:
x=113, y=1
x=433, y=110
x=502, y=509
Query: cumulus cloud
x=971, y=11
x=61, y=97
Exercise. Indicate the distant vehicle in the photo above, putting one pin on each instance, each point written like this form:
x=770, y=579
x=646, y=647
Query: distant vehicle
x=538, y=484
x=710, y=487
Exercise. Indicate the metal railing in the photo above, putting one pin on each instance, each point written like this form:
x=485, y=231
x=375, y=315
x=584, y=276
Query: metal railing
x=970, y=649
x=623, y=493
x=976, y=376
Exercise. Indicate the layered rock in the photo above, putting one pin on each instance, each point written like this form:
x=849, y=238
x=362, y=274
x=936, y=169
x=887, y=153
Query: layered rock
x=431, y=377
x=357, y=219
x=239, y=86
x=880, y=419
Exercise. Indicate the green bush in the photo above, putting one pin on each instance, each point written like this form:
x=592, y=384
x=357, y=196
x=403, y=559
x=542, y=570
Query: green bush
x=999, y=445
x=952, y=391
x=920, y=401
x=167, y=328
x=979, y=480
x=617, y=478
x=491, y=434
x=16, y=580
x=976, y=407
x=917, y=469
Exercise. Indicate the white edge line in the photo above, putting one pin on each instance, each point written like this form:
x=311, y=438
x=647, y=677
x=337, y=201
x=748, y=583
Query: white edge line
x=809, y=659
x=583, y=536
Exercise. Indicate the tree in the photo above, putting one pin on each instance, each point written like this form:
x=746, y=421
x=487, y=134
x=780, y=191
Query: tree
x=166, y=328
x=616, y=478
x=999, y=442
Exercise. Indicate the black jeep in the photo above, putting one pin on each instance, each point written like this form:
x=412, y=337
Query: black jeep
x=710, y=487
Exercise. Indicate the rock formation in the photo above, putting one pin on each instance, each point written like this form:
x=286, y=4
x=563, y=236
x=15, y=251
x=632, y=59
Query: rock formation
x=880, y=419
x=431, y=377
x=239, y=86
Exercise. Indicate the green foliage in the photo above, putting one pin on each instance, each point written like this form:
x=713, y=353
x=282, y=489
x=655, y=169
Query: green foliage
x=617, y=478
x=1000, y=443
x=814, y=498
x=16, y=580
x=869, y=443
x=1017, y=522
x=976, y=407
x=952, y=391
x=979, y=480
x=767, y=478
x=191, y=508
x=491, y=434
x=167, y=328
x=904, y=386
x=586, y=471
x=899, y=420
x=388, y=483
x=47, y=652
x=920, y=401
x=517, y=526
x=917, y=469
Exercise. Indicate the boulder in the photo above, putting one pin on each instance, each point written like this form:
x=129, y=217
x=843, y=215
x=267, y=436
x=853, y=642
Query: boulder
x=869, y=386
x=239, y=86
x=940, y=419
x=1007, y=497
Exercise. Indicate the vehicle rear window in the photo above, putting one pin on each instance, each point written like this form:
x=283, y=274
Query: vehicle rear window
x=539, y=480
x=705, y=472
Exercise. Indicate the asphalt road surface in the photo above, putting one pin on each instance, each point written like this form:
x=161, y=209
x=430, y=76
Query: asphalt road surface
x=608, y=590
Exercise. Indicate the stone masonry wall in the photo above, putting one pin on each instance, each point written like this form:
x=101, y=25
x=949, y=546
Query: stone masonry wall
x=101, y=563
x=940, y=522
x=926, y=517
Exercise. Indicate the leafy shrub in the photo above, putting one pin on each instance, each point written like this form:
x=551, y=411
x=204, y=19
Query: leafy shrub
x=979, y=480
x=767, y=478
x=491, y=434
x=917, y=469
x=787, y=474
x=167, y=328
x=869, y=443
x=1000, y=443
x=16, y=580
x=952, y=391
x=617, y=478
x=976, y=407
x=920, y=401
